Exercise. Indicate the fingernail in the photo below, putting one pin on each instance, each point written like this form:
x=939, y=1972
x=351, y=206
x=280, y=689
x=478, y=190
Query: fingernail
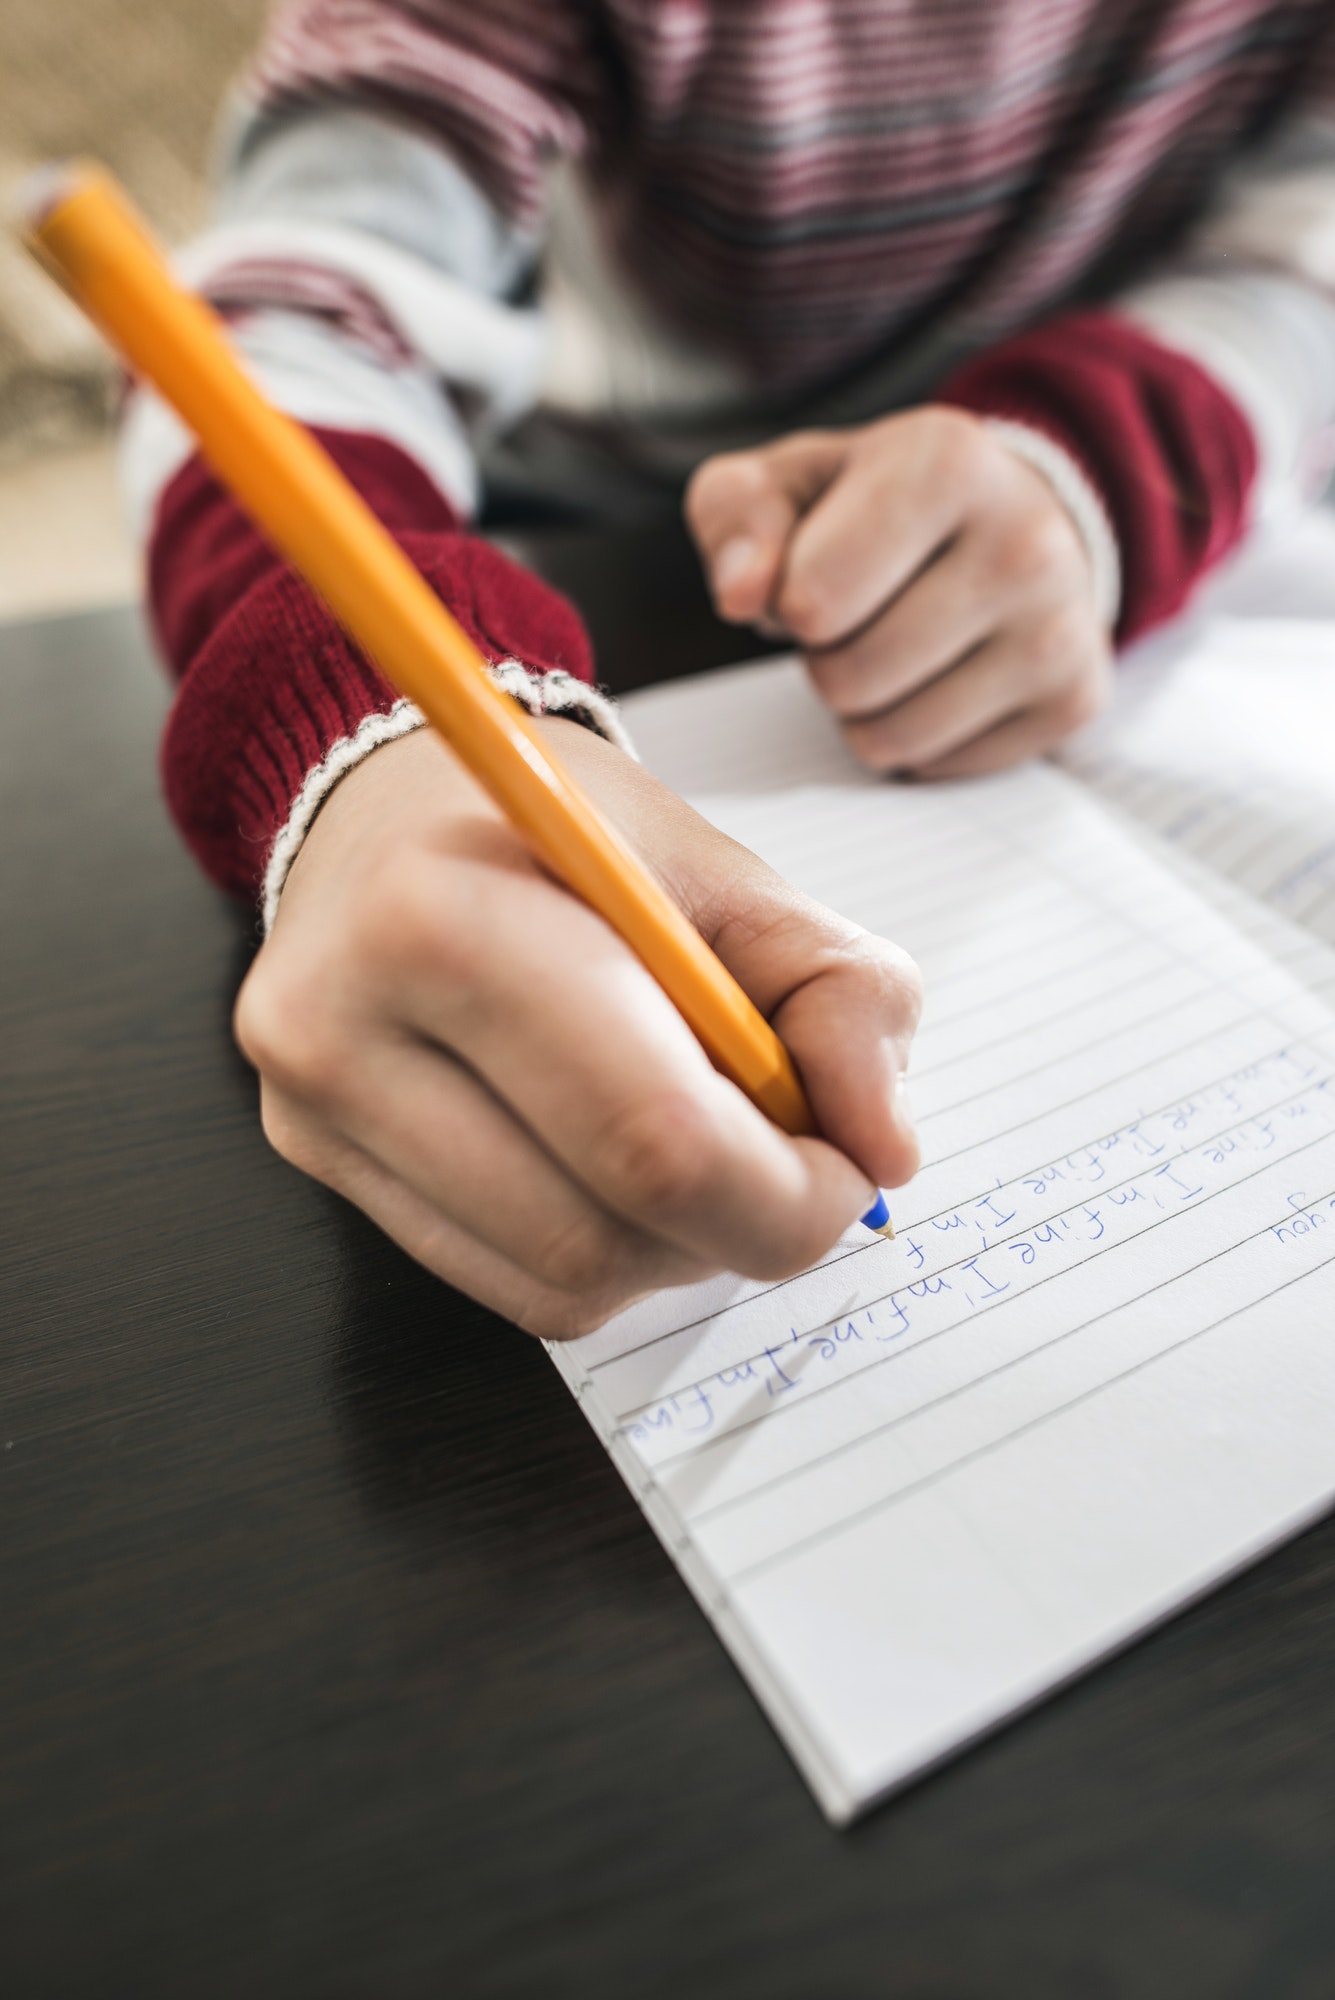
x=734, y=561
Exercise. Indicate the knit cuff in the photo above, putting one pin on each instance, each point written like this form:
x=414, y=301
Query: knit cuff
x=273, y=691
x=1078, y=496
x=554, y=693
x=1166, y=449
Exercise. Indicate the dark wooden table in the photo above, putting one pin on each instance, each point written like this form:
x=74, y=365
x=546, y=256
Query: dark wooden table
x=334, y=1657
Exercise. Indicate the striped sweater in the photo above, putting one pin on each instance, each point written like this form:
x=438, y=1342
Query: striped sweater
x=1110, y=222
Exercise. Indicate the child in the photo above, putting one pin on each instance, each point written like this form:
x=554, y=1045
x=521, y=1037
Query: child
x=980, y=333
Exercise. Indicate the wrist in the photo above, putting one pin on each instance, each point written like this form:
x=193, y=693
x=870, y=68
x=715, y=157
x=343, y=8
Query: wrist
x=1082, y=502
x=555, y=694
x=1168, y=451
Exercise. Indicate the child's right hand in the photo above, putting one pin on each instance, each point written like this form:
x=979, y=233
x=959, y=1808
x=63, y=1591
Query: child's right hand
x=469, y=1054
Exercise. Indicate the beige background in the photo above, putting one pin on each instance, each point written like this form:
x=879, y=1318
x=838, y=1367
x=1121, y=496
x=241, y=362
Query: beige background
x=137, y=83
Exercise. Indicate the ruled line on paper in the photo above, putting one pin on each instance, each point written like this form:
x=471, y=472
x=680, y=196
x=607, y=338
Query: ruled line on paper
x=1225, y=746
x=818, y=1500
x=854, y=1442
x=1190, y=1039
x=864, y=1249
x=938, y=1161
x=1286, y=941
x=728, y=1583
x=1064, y=959
x=1034, y=1238
x=1175, y=1113
x=1127, y=1027
x=724, y=1589
x=867, y=1248
x=1045, y=1416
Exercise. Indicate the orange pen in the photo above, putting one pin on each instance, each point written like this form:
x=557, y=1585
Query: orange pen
x=83, y=229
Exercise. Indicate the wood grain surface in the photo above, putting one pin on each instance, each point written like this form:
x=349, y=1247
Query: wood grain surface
x=336, y=1660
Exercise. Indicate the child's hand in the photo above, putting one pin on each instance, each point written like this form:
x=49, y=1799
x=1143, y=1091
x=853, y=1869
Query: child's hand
x=468, y=1053
x=938, y=587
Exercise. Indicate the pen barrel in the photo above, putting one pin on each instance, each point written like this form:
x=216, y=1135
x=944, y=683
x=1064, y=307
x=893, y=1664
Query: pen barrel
x=92, y=241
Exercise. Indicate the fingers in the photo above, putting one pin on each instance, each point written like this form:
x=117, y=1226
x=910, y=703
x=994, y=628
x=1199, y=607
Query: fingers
x=436, y=1240
x=940, y=590
x=1032, y=733
x=552, y=1012
x=440, y=1133
x=469, y=1053
x=741, y=507
x=1054, y=671
x=486, y=959
x=849, y=1030
x=846, y=1006
x=905, y=489
x=845, y=1003
x=953, y=607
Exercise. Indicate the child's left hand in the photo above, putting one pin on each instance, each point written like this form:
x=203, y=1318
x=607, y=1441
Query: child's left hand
x=938, y=587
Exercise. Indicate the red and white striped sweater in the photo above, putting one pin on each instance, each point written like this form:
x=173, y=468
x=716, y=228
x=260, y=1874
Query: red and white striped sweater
x=804, y=210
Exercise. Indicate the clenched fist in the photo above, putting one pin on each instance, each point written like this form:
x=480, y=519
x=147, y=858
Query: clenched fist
x=454, y=1042
x=937, y=586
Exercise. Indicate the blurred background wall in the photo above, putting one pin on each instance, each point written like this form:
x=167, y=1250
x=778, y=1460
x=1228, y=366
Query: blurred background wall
x=138, y=83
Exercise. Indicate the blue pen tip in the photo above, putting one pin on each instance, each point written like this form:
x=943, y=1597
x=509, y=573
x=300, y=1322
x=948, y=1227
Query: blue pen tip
x=878, y=1217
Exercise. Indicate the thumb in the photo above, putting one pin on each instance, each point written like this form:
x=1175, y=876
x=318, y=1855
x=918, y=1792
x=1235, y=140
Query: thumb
x=742, y=508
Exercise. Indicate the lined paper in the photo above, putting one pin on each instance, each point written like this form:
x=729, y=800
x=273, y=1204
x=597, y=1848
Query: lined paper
x=925, y=1482
x=1222, y=739
x=1291, y=944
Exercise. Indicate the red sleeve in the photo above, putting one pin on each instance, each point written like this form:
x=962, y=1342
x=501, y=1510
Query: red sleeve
x=1171, y=455
x=268, y=682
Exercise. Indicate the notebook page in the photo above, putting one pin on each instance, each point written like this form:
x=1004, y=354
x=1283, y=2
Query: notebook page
x=1222, y=739
x=1295, y=947
x=923, y=1483
x=753, y=728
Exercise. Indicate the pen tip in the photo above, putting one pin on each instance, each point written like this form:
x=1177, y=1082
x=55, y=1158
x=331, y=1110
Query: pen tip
x=887, y=1229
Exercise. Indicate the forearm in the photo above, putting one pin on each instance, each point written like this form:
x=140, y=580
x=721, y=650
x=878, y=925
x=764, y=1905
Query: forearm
x=1203, y=398
x=275, y=703
x=363, y=275
x=1253, y=302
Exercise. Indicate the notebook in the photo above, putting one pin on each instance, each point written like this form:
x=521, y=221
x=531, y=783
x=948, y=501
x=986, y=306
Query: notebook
x=1222, y=740
x=926, y=1482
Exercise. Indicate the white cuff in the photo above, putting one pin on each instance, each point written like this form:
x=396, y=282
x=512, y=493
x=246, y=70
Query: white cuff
x=1081, y=502
x=559, y=693
x=555, y=693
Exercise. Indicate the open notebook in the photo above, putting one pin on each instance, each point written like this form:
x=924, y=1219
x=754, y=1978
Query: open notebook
x=925, y=1482
x=1222, y=739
